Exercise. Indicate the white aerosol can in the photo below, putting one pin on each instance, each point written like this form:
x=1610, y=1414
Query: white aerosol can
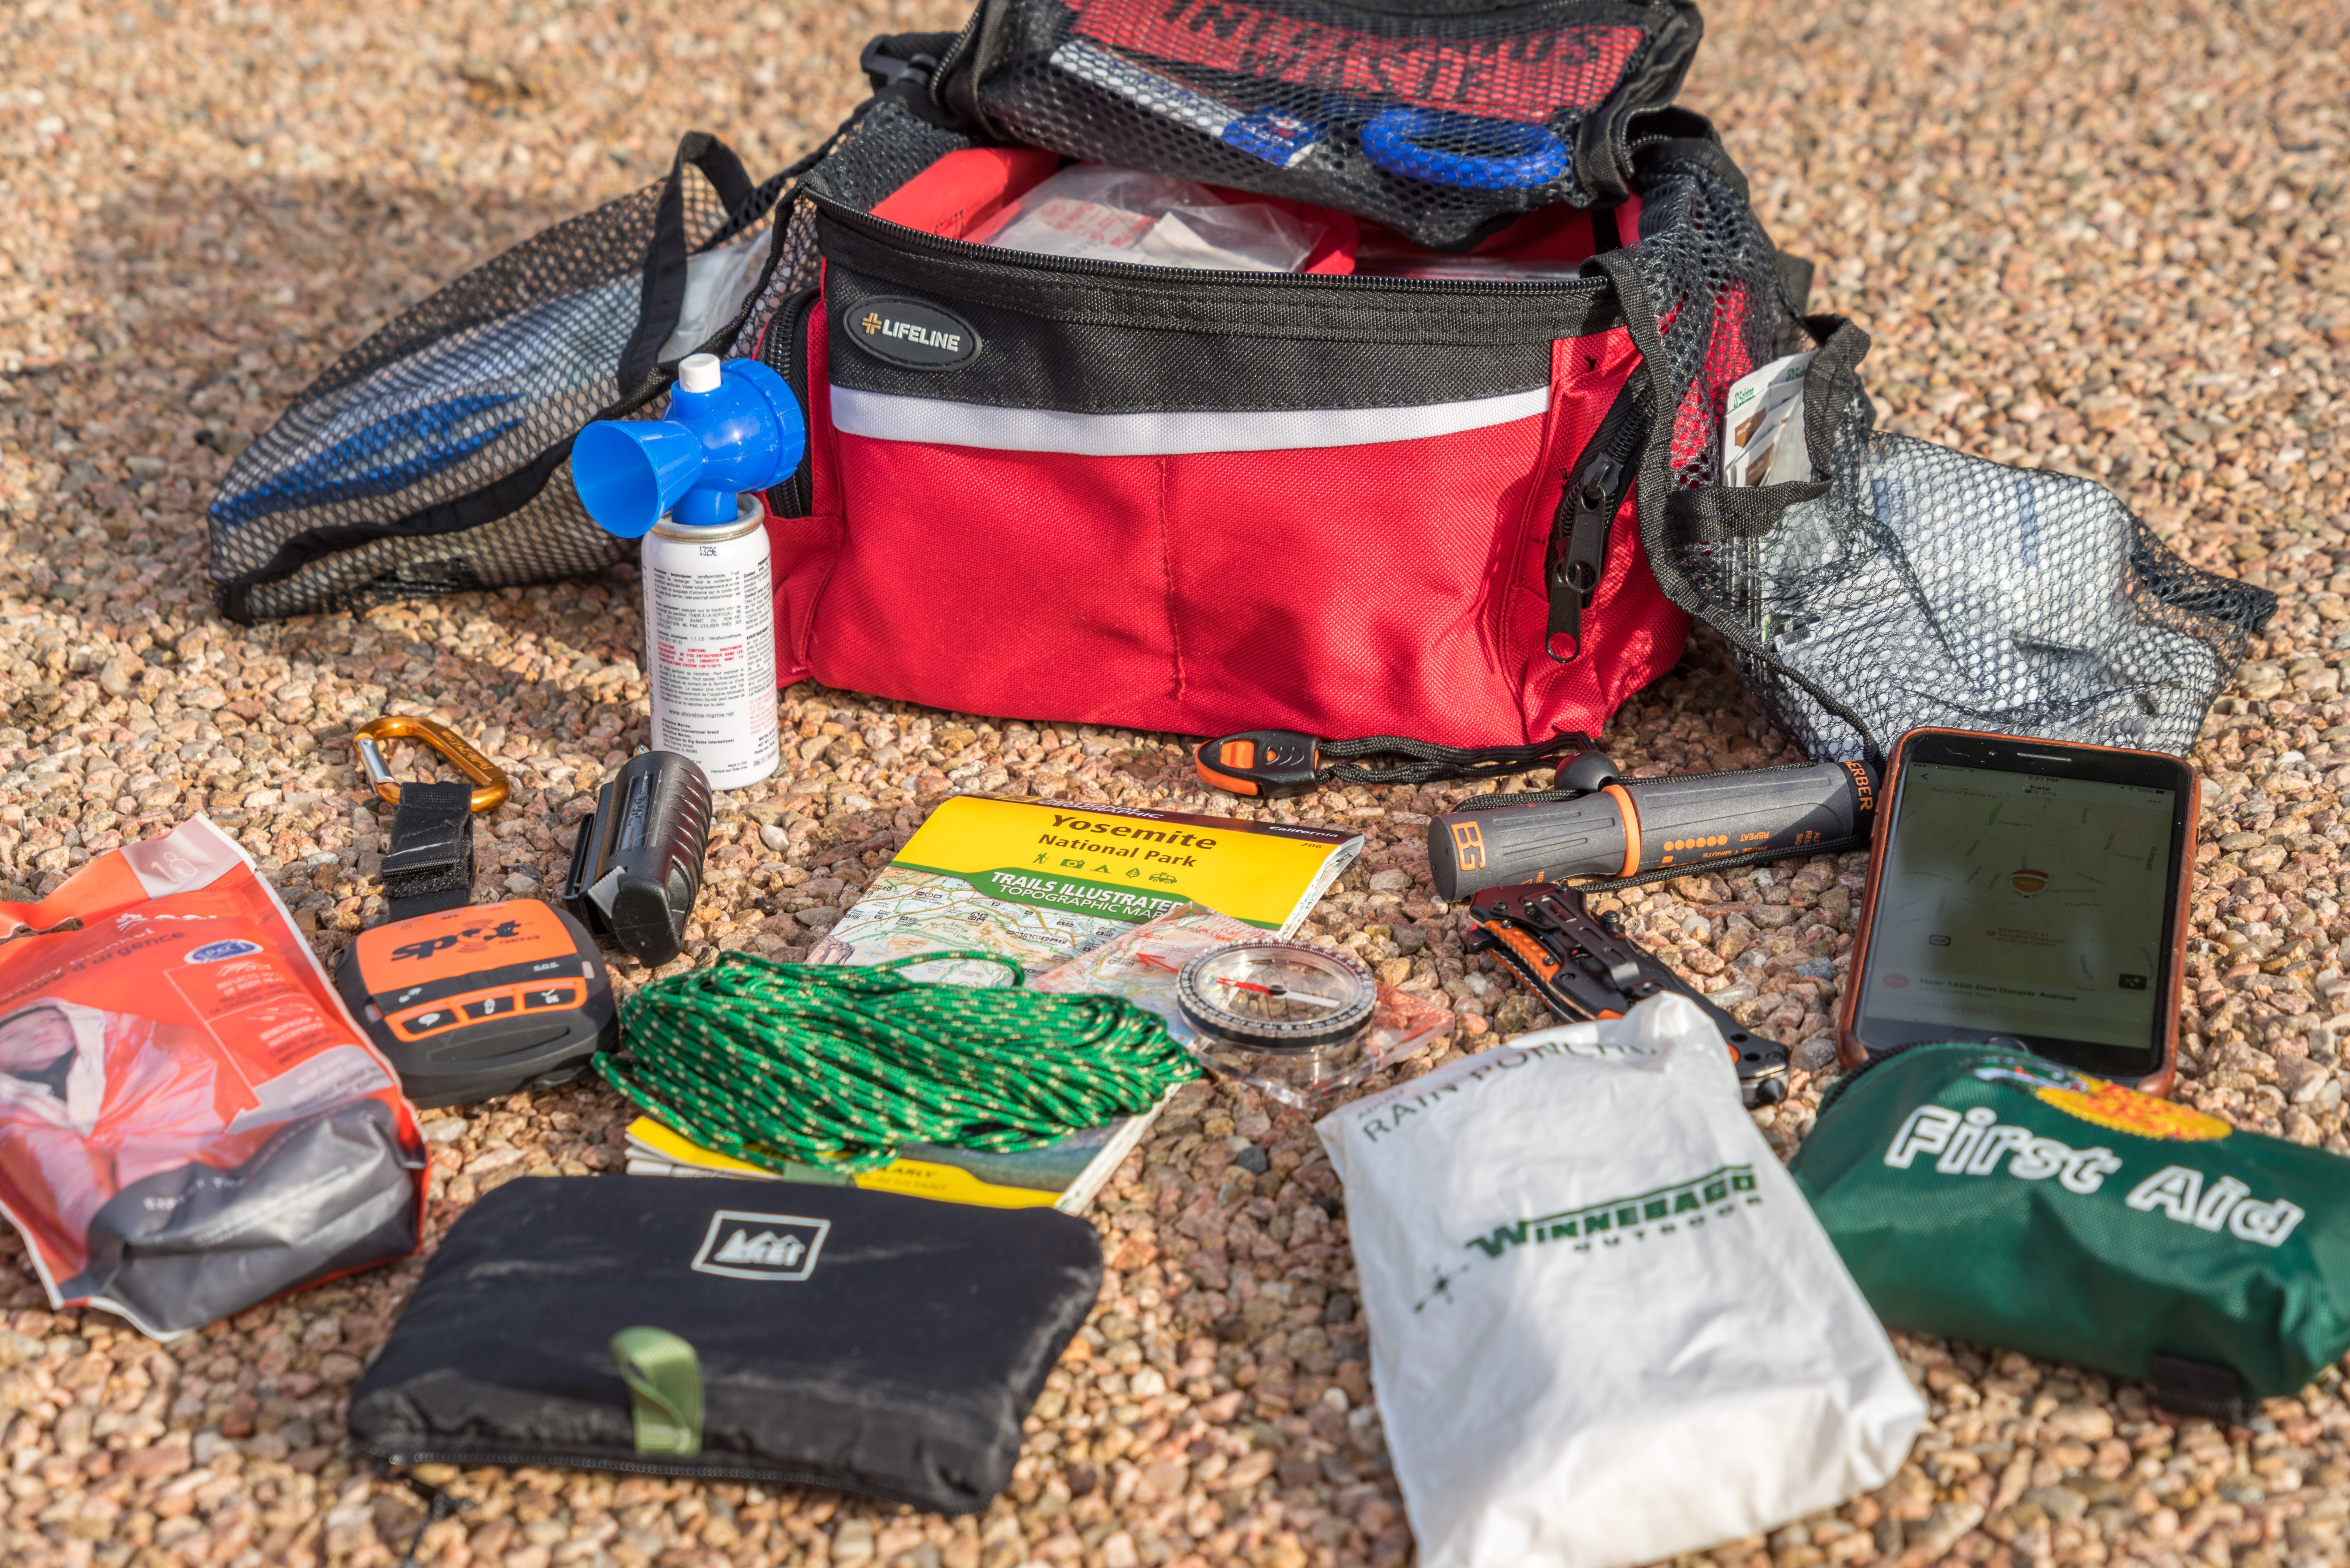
x=710, y=645
x=683, y=484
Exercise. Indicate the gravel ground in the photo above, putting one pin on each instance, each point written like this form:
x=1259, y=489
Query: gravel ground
x=2106, y=238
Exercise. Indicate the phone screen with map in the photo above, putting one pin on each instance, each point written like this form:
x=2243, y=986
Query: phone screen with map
x=2026, y=893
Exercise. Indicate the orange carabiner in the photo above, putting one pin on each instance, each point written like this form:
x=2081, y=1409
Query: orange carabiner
x=495, y=786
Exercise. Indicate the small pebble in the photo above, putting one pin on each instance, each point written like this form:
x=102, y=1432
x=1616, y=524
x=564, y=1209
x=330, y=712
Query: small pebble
x=1814, y=1055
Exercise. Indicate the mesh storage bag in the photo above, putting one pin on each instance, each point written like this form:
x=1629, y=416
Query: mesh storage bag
x=434, y=456
x=1929, y=586
x=1440, y=118
x=1905, y=583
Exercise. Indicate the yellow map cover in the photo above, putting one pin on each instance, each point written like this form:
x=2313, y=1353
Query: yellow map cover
x=1042, y=881
x=1063, y=1175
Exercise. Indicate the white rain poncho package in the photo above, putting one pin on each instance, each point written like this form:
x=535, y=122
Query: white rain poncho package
x=1604, y=1325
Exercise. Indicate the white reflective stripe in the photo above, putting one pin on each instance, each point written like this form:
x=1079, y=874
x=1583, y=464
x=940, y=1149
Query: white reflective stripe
x=886, y=416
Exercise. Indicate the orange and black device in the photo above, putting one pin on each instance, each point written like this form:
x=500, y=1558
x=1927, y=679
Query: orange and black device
x=1264, y=765
x=1584, y=967
x=481, y=1000
x=2027, y=894
x=1625, y=826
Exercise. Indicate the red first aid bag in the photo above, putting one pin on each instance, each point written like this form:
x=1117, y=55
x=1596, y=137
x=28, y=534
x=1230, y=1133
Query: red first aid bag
x=1200, y=500
x=189, y=1122
x=1455, y=473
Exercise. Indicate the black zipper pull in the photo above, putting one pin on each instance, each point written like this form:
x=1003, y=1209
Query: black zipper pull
x=1586, y=515
x=1579, y=551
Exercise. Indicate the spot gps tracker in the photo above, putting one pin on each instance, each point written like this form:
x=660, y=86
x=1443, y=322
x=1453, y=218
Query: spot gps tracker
x=474, y=1002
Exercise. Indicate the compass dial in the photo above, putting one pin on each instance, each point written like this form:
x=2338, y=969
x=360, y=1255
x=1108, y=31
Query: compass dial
x=1274, y=995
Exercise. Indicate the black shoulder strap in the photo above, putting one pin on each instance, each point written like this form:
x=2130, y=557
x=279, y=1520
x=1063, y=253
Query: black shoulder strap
x=1419, y=762
x=664, y=285
x=1269, y=764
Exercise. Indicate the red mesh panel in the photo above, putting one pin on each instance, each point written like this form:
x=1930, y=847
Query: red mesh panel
x=1528, y=77
x=1697, y=423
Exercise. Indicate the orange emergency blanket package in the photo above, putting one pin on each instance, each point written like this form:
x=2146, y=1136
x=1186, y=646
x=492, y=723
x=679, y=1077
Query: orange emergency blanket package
x=190, y=1121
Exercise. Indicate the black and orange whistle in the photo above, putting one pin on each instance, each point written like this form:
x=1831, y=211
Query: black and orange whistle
x=1263, y=765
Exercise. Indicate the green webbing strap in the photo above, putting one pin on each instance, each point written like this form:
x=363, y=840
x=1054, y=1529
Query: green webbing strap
x=828, y=1064
x=664, y=1379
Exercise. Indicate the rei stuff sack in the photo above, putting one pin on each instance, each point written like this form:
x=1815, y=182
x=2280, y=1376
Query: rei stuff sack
x=1997, y=1196
x=745, y=1331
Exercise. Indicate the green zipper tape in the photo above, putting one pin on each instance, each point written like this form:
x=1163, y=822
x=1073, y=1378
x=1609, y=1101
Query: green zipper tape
x=664, y=1378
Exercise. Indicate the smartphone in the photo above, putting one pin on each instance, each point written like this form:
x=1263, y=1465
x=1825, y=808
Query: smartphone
x=2030, y=894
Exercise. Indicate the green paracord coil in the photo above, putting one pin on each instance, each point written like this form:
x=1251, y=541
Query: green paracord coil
x=827, y=1064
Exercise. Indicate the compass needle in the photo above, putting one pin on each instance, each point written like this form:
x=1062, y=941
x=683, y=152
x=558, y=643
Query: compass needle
x=1280, y=1013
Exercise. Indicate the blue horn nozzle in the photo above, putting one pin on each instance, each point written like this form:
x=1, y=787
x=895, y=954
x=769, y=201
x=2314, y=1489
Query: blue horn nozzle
x=740, y=430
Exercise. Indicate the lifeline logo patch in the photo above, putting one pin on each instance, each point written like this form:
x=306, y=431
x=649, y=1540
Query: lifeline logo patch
x=910, y=332
x=743, y=1246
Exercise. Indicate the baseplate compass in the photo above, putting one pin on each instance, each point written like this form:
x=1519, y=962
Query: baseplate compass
x=1293, y=1019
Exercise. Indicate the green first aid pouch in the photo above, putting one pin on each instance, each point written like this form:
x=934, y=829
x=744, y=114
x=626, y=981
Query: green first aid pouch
x=1997, y=1196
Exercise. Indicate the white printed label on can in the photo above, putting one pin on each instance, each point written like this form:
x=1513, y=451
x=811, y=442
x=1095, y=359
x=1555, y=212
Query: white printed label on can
x=711, y=651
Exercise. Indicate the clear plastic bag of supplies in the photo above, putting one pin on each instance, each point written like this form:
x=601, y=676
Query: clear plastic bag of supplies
x=1119, y=215
x=189, y=1122
x=1604, y=1326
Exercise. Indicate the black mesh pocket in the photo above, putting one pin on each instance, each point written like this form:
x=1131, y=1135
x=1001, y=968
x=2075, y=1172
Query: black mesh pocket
x=1919, y=585
x=435, y=455
x=1442, y=120
x=1905, y=583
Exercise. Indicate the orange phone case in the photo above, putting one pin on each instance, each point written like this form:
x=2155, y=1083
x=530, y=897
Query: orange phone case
x=1852, y=1054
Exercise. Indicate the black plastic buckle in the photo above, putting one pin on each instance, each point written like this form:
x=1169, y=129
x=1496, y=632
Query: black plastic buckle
x=885, y=69
x=2184, y=1387
x=429, y=864
x=1264, y=765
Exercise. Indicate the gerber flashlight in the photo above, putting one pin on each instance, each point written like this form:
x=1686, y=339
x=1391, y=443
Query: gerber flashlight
x=1630, y=825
